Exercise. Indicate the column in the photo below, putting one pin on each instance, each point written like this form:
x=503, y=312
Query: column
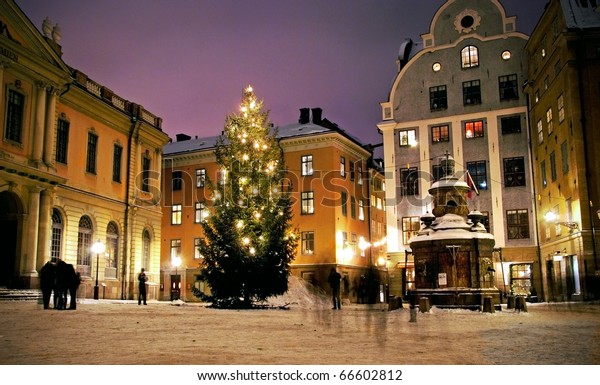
x=38, y=128
x=31, y=241
x=50, y=128
x=45, y=228
x=3, y=65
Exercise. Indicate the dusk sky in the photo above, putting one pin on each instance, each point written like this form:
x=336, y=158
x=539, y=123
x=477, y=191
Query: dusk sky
x=188, y=61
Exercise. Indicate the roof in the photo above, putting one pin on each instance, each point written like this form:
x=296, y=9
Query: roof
x=580, y=14
x=289, y=131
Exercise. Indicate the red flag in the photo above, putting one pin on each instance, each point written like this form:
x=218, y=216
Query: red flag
x=471, y=184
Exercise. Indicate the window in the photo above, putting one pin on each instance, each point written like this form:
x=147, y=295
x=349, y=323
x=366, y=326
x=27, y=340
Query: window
x=478, y=171
x=440, y=133
x=117, y=158
x=359, y=175
x=62, y=141
x=510, y=125
x=112, y=250
x=146, y=250
x=407, y=138
x=344, y=203
x=176, y=180
x=474, y=129
x=546, y=83
x=307, y=165
x=200, y=212
x=410, y=228
x=92, y=148
x=564, y=152
x=438, y=98
x=200, y=177
x=14, y=116
x=308, y=242
x=549, y=120
x=351, y=171
x=197, y=254
x=561, y=108
x=540, y=130
x=342, y=167
x=553, y=166
x=543, y=172
x=536, y=96
x=145, y=174
x=514, y=172
x=361, y=210
x=518, y=224
x=472, y=92
x=508, y=87
x=353, y=207
x=221, y=177
x=176, y=214
x=57, y=231
x=469, y=57
x=175, y=248
x=84, y=243
x=409, y=184
x=308, y=202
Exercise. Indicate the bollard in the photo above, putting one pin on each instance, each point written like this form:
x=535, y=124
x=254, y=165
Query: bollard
x=488, y=304
x=424, y=305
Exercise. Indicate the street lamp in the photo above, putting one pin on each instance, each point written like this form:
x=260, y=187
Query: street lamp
x=551, y=216
x=97, y=248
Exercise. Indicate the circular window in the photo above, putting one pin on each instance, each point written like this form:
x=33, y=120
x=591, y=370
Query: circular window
x=505, y=55
x=436, y=67
x=467, y=21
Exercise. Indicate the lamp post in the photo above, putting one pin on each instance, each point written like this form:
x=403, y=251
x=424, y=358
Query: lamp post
x=97, y=248
x=176, y=281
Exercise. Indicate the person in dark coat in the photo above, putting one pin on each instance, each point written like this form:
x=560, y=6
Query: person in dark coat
x=334, y=281
x=142, y=278
x=47, y=282
x=74, y=280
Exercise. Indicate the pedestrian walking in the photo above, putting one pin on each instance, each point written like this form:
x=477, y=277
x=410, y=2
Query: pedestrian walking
x=142, y=279
x=334, y=281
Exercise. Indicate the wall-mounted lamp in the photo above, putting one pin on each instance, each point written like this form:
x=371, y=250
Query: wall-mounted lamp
x=551, y=217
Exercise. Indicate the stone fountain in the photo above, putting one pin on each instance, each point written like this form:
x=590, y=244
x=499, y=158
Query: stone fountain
x=453, y=250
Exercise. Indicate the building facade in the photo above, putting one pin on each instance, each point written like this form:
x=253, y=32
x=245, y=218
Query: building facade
x=78, y=165
x=460, y=95
x=564, y=119
x=329, y=173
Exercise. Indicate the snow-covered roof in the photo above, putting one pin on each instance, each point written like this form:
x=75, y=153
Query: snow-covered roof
x=579, y=16
x=283, y=132
x=450, y=226
x=449, y=182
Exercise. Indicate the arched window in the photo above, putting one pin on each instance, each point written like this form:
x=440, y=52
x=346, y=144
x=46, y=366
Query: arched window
x=84, y=243
x=146, y=250
x=57, y=230
x=469, y=56
x=112, y=250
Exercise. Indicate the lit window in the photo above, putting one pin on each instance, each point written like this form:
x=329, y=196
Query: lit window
x=308, y=202
x=176, y=214
x=506, y=55
x=407, y=138
x=436, y=67
x=469, y=56
x=307, y=165
x=474, y=129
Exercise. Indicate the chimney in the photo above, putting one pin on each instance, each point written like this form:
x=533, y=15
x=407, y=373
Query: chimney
x=183, y=137
x=304, y=116
x=316, y=115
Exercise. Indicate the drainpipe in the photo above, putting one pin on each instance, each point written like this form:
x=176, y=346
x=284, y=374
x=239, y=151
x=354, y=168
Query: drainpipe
x=125, y=258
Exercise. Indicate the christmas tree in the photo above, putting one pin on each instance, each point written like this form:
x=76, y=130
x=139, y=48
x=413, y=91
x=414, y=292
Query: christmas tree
x=248, y=244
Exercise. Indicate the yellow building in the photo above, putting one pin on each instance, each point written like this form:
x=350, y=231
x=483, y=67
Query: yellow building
x=78, y=164
x=330, y=178
x=564, y=120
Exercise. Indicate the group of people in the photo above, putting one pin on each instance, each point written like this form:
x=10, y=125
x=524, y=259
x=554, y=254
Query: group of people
x=60, y=278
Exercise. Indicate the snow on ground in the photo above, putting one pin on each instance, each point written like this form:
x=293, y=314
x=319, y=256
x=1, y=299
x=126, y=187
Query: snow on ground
x=308, y=333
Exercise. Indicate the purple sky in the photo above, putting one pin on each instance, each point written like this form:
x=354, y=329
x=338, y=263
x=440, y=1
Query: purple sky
x=187, y=61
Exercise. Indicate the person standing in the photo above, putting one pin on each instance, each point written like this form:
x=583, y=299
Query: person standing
x=47, y=282
x=142, y=279
x=334, y=281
